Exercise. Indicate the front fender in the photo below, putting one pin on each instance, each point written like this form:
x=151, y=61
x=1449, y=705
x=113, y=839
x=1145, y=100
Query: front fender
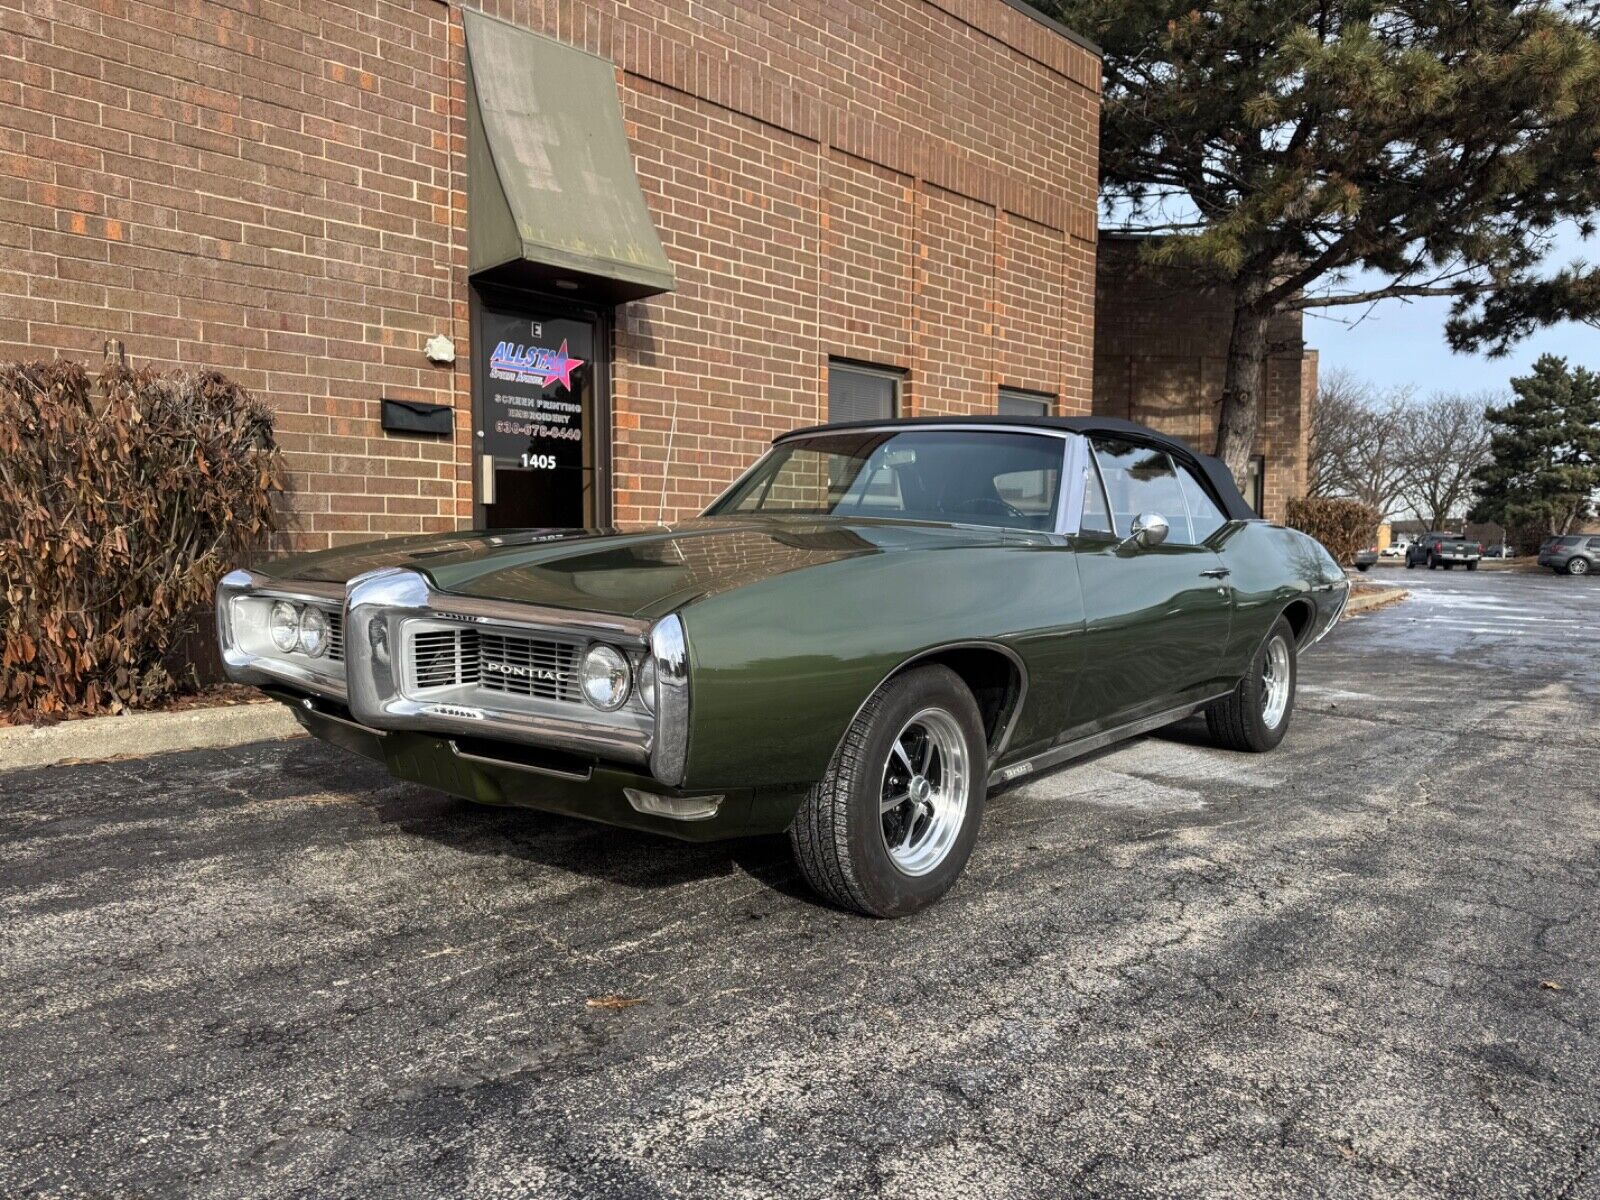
x=780, y=668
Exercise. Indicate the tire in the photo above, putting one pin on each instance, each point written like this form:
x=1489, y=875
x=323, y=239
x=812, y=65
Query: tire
x=1239, y=721
x=1433, y=563
x=1577, y=566
x=1410, y=565
x=1447, y=566
x=1363, y=567
x=842, y=835
x=1473, y=565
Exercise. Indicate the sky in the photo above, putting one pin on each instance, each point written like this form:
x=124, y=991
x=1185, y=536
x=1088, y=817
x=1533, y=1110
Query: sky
x=1399, y=343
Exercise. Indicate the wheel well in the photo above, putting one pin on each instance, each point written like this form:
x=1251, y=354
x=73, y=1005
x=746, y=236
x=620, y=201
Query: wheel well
x=992, y=676
x=1299, y=614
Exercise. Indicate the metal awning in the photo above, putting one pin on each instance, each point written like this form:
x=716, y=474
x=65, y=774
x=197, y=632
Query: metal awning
x=552, y=199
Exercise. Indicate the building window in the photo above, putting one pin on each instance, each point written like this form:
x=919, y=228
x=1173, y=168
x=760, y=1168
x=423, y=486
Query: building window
x=860, y=393
x=1255, y=483
x=1014, y=402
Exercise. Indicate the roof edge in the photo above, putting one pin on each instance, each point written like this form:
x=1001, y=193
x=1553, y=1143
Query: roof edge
x=1055, y=26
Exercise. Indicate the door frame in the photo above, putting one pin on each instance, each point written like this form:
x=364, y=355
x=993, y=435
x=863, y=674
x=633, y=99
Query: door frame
x=487, y=293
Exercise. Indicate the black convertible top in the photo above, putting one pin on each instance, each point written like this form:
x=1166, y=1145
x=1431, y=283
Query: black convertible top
x=1212, y=470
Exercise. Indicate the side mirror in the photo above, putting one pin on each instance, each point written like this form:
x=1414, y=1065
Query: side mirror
x=1149, y=529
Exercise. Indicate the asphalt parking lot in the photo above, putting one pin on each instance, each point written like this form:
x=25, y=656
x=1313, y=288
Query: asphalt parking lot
x=1365, y=965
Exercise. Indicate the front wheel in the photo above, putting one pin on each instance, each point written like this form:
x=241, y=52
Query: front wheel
x=1411, y=564
x=1255, y=715
x=892, y=824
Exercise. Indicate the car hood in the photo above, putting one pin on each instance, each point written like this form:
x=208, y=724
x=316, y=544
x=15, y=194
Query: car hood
x=644, y=573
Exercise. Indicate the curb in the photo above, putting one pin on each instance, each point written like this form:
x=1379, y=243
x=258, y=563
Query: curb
x=138, y=735
x=1373, y=600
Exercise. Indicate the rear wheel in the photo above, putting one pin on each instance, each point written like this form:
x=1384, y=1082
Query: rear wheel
x=1577, y=566
x=1255, y=715
x=892, y=824
x=1473, y=565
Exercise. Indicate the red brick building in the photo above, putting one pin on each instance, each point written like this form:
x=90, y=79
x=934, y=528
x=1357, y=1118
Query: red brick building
x=888, y=202
x=1160, y=351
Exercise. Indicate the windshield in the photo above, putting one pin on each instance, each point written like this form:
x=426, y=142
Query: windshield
x=1009, y=480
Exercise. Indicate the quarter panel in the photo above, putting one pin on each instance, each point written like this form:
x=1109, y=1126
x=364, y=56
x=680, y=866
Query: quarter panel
x=1270, y=566
x=779, y=668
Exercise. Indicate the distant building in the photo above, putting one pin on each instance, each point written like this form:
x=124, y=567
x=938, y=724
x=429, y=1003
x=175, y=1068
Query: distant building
x=1159, y=356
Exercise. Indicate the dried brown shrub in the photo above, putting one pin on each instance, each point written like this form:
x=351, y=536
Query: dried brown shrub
x=120, y=506
x=1343, y=526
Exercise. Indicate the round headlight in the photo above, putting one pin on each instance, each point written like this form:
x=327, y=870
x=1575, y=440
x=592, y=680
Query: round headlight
x=284, y=626
x=647, y=683
x=313, y=631
x=605, y=678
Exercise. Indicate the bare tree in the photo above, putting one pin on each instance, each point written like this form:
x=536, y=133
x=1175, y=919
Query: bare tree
x=1357, y=441
x=1445, y=443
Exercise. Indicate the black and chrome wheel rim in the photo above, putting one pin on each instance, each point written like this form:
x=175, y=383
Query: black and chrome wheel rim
x=1275, y=683
x=922, y=801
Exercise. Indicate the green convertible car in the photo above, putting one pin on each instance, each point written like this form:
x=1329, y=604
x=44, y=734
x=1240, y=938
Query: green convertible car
x=876, y=626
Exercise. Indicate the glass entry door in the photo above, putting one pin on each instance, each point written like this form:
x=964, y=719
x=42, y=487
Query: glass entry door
x=539, y=376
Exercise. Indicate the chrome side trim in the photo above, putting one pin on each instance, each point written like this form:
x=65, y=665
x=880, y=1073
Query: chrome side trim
x=259, y=670
x=377, y=604
x=669, y=755
x=1095, y=741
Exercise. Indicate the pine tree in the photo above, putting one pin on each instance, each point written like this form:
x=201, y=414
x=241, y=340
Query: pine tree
x=1319, y=153
x=1544, y=473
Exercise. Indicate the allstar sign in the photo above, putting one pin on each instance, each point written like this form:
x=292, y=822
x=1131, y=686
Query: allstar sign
x=541, y=363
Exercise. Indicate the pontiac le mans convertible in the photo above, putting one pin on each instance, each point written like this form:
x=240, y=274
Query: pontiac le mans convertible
x=872, y=628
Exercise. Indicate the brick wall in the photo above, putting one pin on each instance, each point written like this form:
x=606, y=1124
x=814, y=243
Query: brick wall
x=278, y=190
x=1159, y=345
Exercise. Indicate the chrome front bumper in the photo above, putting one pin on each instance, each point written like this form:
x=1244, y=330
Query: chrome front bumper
x=377, y=608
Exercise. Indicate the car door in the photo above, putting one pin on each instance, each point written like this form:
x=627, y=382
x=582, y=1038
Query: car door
x=1156, y=620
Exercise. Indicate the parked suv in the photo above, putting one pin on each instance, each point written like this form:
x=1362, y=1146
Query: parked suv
x=1571, y=554
x=1443, y=550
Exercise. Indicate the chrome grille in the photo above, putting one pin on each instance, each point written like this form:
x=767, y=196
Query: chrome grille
x=335, y=633
x=522, y=666
x=445, y=657
x=505, y=664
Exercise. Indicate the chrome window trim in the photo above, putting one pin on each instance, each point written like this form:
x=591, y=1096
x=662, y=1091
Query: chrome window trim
x=241, y=666
x=1071, y=517
x=1105, y=495
x=1065, y=435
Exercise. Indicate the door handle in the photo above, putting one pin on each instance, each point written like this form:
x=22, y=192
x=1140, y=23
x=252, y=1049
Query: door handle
x=1216, y=573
